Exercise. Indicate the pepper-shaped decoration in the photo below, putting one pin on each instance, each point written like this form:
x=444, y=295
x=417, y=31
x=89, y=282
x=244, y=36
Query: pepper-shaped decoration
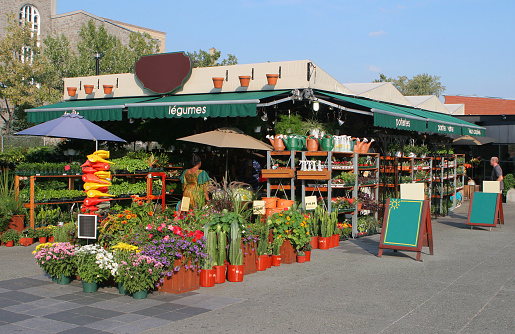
x=102, y=153
x=95, y=159
x=86, y=208
x=106, y=175
x=91, y=178
x=96, y=193
x=94, y=186
x=95, y=201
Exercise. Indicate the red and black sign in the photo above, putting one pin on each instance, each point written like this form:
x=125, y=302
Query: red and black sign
x=163, y=73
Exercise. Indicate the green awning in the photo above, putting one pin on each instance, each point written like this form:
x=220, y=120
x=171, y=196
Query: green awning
x=201, y=105
x=93, y=110
x=386, y=115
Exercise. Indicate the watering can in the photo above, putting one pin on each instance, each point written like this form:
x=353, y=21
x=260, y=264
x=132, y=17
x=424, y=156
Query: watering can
x=312, y=143
x=326, y=143
x=366, y=145
x=356, y=145
x=277, y=142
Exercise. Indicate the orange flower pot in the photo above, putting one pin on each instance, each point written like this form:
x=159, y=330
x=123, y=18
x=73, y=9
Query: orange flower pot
x=42, y=240
x=218, y=82
x=314, y=242
x=284, y=203
x=235, y=273
x=71, y=91
x=88, y=89
x=108, y=89
x=207, y=277
x=301, y=258
x=244, y=80
x=336, y=240
x=287, y=252
x=323, y=243
x=276, y=260
x=181, y=281
x=9, y=244
x=262, y=262
x=269, y=261
x=220, y=274
x=272, y=79
x=270, y=212
x=270, y=202
x=308, y=256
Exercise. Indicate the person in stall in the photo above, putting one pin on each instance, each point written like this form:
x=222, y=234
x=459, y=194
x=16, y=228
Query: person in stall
x=194, y=183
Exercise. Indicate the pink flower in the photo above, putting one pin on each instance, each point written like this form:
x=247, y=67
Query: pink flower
x=149, y=227
x=166, y=238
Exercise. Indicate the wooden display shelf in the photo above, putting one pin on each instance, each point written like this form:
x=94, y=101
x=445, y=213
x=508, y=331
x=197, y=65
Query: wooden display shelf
x=279, y=173
x=280, y=152
x=276, y=186
x=316, y=153
x=314, y=175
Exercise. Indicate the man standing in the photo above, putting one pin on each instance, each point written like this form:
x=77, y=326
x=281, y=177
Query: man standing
x=496, y=171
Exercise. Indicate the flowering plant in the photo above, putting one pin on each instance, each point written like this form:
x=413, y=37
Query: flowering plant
x=42, y=232
x=56, y=258
x=291, y=225
x=139, y=272
x=95, y=264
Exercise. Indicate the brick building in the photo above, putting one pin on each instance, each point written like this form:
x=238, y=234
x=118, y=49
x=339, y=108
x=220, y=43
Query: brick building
x=477, y=105
x=45, y=21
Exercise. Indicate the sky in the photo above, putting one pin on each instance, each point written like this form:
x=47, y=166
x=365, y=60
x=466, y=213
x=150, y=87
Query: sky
x=468, y=43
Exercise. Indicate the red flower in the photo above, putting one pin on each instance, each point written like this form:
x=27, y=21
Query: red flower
x=351, y=200
x=140, y=203
x=150, y=235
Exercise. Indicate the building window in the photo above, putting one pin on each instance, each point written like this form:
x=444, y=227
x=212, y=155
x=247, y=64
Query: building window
x=30, y=14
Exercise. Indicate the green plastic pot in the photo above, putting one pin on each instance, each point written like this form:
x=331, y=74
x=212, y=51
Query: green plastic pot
x=121, y=289
x=140, y=294
x=63, y=280
x=89, y=287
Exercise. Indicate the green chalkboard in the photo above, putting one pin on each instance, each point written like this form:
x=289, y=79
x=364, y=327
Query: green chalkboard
x=483, y=208
x=402, y=226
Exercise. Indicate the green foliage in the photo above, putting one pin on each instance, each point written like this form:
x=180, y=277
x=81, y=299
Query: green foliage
x=47, y=216
x=9, y=204
x=65, y=233
x=235, y=251
x=10, y=235
x=289, y=124
x=509, y=183
x=211, y=249
x=262, y=246
x=420, y=84
x=222, y=245
x=206, y=59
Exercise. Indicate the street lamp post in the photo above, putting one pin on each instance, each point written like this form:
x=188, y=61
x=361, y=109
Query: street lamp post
x=97, y=56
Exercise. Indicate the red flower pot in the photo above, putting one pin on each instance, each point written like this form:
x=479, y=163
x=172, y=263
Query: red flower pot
x=262, y=262
x=235, y=273
x=330, y=242
x=42, y=240
x=287, y=252
x=276, y=260
x=23, y=242
x=50, y=239
x=181, y=281
x=314, y=242
x=71, y=91
x=308, y=256
x=249, y=258
x=323, y=243
x=269, y=261
x=108, y=89
x=301, y=258
x=9, y=244
x=336, y=240
x=220, y=274
x=207, y=277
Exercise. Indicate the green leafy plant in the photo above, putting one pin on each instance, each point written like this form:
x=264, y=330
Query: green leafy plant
x=509, y=183
x=94, y=263
x=10, y=235
x=139, y=272
x=289, y=124
x=211, y=249
x=235, y=251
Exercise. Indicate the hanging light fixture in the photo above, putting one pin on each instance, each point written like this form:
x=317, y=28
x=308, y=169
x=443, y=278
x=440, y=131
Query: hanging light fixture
x=264, y=118
x=316, y=106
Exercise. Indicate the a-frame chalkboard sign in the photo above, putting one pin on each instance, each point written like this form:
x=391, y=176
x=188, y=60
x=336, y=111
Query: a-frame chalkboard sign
x=485, y=210
x=406, y=226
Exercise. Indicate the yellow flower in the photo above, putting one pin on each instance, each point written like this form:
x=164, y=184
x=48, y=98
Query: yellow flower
x=288, y=218
x=307, y=233
x=280, y=236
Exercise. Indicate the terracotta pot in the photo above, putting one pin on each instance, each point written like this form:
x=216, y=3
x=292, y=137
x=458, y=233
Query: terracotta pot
x=276, y=260
x=270, y=202
x=287, y=252
x=314, y=242
x=262, y=262
x=269, y=261
x=207, y=277
x=218, y=82
x=308, y=256
x=17, y=223
x=284, y=203
x=311, y=143
x=23, y=242
x=88, y=89
x=336, y=240
x=108, y=89
x=71, y=91
x=235, y=273
x=50, y=239
x=323, y=243
x=42, y=240
x=181, y=281
x=220, y=274
x=270, y=212
x=9, y=244
x=330, y=242
x=272, y=79
x=244, y=80
x=30, y=241
x=249, y=259
x=301, y=258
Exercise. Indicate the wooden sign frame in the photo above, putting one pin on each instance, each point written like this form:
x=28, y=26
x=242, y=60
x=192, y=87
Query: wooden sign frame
x=498, y=215
x=425, y=231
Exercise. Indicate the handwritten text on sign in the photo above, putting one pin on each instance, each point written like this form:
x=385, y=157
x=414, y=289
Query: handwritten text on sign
x=311, y=202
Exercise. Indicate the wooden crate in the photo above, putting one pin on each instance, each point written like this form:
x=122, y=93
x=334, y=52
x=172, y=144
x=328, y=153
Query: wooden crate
x=279, y=173
x=314, y=175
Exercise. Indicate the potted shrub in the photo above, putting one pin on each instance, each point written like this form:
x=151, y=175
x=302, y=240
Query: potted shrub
x=57, y=260
x=94, y=265
x=208, y=273
x=139, y=274
x=121, y=252
x=307, y=250
x=27, y=238
x=12, y=210
x=10, y=237
x=262, y=247
x=276, y=251
x=235, y=268
x=42, y=233
x=301, y=256
x=220, y=266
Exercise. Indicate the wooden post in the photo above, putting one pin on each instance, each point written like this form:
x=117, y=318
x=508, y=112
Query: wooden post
x=16, y=187
x=32, y=206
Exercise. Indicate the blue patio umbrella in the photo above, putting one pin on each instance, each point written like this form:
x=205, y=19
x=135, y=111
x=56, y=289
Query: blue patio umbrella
x=71, y=126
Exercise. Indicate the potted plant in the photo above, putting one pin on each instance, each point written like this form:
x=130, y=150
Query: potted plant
x=28, y=236
x=42, y=233
x=12, y=210
x=94, y=265
x=139, y=274
x=235, y=268
x=220, y=266
x=57, y=260
x=276, y=250
x=10, y=237
x=207, y=272
x=307, y=250
x=301, y=256
x=121, y=252
x=262, y=247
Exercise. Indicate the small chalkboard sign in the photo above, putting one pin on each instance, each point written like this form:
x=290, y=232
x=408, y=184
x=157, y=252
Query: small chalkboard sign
x=87, y=226
x=406, y=226
x=485, y=209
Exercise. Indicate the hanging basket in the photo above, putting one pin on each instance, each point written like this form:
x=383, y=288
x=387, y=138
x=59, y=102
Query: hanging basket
x=272, y=79
x=244, y=80
x=218, y=82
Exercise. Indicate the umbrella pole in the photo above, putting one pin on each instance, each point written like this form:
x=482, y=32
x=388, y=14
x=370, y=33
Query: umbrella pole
x=226, y=163
x=96, y=145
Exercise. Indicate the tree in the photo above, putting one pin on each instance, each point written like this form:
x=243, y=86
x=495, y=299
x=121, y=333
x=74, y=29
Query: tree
x=61, y=61
x=206, y=59
x=23, y=70
x=420, y=84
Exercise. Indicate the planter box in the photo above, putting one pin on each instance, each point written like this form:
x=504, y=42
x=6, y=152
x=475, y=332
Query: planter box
x=312, y=175
x=249, y=258
x=279, y=173
x=287, y=253
x=181, y=281
x=17, y=223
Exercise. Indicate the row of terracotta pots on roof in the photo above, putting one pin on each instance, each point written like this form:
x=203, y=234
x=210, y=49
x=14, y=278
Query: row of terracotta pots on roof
x=88, y=89
x=245, y=80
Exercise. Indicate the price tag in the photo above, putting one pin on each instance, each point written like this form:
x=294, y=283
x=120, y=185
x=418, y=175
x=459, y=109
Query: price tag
x=185, y=204
x=311, y=202
x=366, y=173
x=258, y=207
